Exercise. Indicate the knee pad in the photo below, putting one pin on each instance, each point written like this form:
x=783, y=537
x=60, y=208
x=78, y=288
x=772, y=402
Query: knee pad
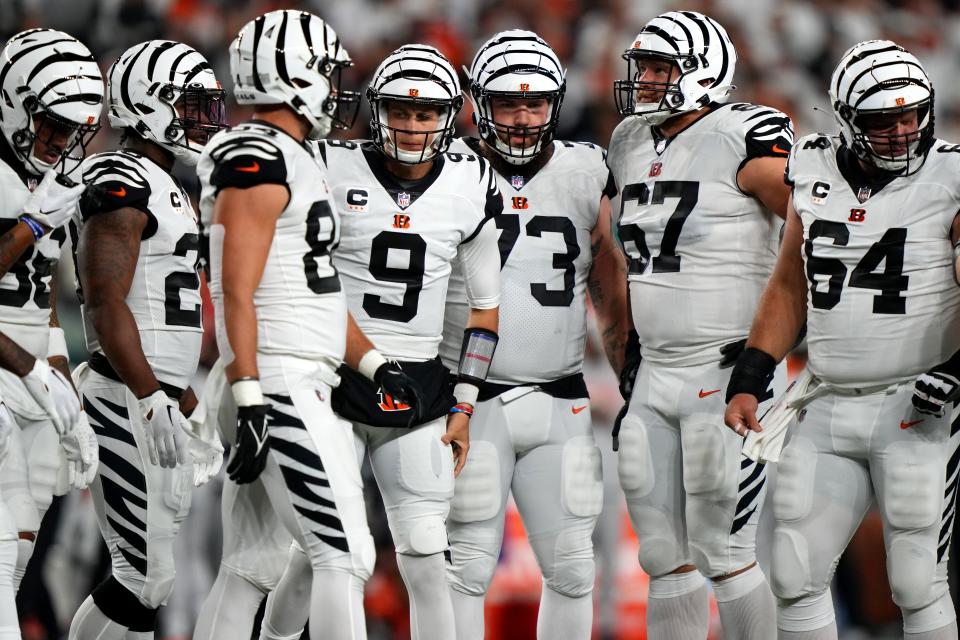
x=934, y=616
x=123, y=607
x=660, y=550
x=704, y=457
x=426, y=536
x=808, y=613
x=570, y=570
x=911, y=563
x=477, y=491
x=635, y=462
x=581, y=489
x=790, y=575
x=912, y=488
x=793, y=497
x=472, y=558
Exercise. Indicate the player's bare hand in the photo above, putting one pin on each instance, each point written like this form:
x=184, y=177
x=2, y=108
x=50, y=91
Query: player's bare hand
x=458, y=437
x=741, y=414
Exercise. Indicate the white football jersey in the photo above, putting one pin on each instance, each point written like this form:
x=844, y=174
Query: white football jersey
x=701, y=251
x=882, y=304
x=25, y=288
x=164, y=296
x=301, y=309
x=398, y=242
x=545, y=257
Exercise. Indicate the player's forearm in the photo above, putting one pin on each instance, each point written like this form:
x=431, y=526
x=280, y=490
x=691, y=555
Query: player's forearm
x=779, y=319
x=15, y=358
x=607, y=284
x=12, y=245
x=62, y=365
x=488, y=319
x=240, y=321
x=120, y=342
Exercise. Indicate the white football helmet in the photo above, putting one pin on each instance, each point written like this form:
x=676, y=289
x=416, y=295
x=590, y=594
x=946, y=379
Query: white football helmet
x=516, y=64
x=875, y=77
x=294, y=58
x=51, y=89
x=417, y=74
x=150, y=80
x=701, y=50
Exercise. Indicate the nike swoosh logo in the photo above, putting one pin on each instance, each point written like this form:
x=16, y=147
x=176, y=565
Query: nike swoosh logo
x=907, y=425
x=704, y=394
x=119, y=193
x=777, y=149
x=577, y=410
x=253, y=168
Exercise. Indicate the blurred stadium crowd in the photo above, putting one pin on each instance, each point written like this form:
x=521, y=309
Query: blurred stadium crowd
x=787, y=50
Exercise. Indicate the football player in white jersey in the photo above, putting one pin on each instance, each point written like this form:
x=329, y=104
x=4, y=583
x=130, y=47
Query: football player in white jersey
x=54, y=97
x=701, y=194
x=531, y=430
x=409, y=210
x=869, y=261
x=282, y=320
x=137, y=260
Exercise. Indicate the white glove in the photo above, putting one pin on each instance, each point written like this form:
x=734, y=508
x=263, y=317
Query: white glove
x=54, y=201
x=164, y=426
x=204, y=446
x=55, y=396
x=79, y=458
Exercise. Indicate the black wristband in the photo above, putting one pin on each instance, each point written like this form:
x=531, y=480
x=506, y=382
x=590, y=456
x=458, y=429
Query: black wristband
x=752, y=374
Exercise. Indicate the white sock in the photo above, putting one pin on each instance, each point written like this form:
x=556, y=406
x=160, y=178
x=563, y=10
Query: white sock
x=564, y=618
x=336, y=606
x=90, y=623
x=431, y=611
x=288, y=605
x=24, y=552
x=747, y=608
x=468, y=615
x=948, y=632
x=677, y=607
x=807, y=618
x=9, y=625
x=229, y=609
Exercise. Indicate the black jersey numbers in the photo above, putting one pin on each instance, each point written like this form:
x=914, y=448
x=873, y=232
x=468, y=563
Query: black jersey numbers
x=687, y=193
x=32, y=272
x=509, y=225
x=412, y=275
x=320, y=237
x=174, y=313
x=891, y=282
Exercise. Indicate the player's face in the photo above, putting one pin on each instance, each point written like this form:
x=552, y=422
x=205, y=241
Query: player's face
x=52, y=138
x=652, y=76
x=891, y=134
x=517, y=119
x=409, y=120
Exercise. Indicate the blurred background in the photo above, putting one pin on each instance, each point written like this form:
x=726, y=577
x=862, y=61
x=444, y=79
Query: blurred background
x=787, y=50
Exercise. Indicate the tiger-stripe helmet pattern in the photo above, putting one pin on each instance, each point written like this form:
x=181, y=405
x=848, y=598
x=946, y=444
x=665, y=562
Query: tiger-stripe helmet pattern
x=51, y=89
x=294, y=58
x=167, y=93
x=881, y=77
x=415, y=74
x=703, y=54
x=516, y=64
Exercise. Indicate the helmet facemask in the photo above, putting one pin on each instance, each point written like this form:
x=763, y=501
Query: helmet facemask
x=199, y=113
x=435, y=141
x=337, y=109
x=498, y=135
x=900, y=153
x=44, y=129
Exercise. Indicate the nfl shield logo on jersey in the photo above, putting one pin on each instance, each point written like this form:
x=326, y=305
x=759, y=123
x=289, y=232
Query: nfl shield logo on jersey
x=655, y=169
x=403, y=199
x=516, y=181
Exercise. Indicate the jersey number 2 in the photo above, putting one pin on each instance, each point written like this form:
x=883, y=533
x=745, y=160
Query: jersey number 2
x=174, y=313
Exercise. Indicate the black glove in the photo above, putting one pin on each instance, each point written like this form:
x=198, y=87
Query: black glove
x=253, y=444
x=938, y=387
x=616, y=425
x=631, y=364
x=401, y=387
x=730, y=352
